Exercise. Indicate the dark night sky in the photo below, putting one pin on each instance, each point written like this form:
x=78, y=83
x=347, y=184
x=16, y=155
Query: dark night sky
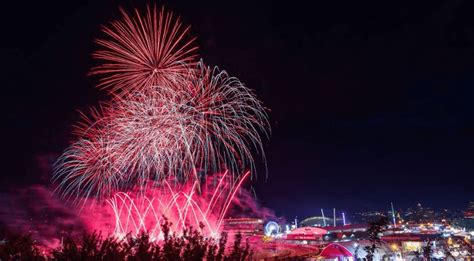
x=371, y=101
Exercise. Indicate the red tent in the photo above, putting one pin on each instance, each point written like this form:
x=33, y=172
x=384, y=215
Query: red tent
x=335, y=250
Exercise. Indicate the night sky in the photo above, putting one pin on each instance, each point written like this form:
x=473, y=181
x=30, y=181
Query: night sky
x=370, y=101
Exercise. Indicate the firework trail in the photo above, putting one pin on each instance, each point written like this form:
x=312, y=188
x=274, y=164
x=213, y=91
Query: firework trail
x=143, y=51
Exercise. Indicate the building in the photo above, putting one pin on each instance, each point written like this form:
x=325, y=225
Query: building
x=469, y=213
x=306, y=234
x=244, y=226
x=352, y=231
x=420, y=214
x=319, y=221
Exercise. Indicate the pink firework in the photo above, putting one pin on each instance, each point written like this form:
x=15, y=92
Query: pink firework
x=143, y=51
x=171, y=121
x=212, y=123
x=201, y=205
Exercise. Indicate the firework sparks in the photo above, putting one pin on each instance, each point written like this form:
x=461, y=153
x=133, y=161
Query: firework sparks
x=143, y=51
x=211, y=123
x=183, y=206
x=170, y=121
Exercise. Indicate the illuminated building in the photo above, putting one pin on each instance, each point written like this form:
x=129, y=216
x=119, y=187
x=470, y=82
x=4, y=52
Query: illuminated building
x=469, y=213
x=307, y=234
x=352, y=231
x=420, y=214
x=245, y=226
x=317, y=221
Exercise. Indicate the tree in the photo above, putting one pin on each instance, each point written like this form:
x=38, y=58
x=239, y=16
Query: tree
x=68, y=250
x=376, y=228
x=467, y=246
x=356, y=252
x=144, y=249
x=18, y=247
x=172, y=244
x=428, y=250
x=417, y=255
x=239, y=253
x=196, y=245
x=446, y=249
x=189, y=246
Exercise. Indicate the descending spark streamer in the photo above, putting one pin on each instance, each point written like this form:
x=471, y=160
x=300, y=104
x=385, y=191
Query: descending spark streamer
x=183, y=206
x=144, y=51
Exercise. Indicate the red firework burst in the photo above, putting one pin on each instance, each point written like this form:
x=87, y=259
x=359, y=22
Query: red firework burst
x=210, y=123
x=174, y=117
x=144, y=51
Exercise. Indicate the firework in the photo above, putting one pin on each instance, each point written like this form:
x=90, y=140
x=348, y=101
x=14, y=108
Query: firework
x=143, y=51
x=170, y=122
x=211, y=123
x=182, y=205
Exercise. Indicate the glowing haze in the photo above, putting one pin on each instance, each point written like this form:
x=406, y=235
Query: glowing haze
x=170, y=121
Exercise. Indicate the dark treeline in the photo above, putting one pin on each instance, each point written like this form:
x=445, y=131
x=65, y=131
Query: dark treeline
x=191, y=245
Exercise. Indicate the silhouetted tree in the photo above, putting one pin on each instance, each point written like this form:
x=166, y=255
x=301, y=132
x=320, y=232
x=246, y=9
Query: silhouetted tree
x=189, y=246
x=196, y=245
x=356, y=252
x=443, y=244
x=68, y=250
x=211, y=252
x=466, y=245
x=417, y=255
x=18, y=247
x=428, y=250
x=114, y=249
x=222, y=244
x=376, y=228
x=144, y=249
x=172, y=245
